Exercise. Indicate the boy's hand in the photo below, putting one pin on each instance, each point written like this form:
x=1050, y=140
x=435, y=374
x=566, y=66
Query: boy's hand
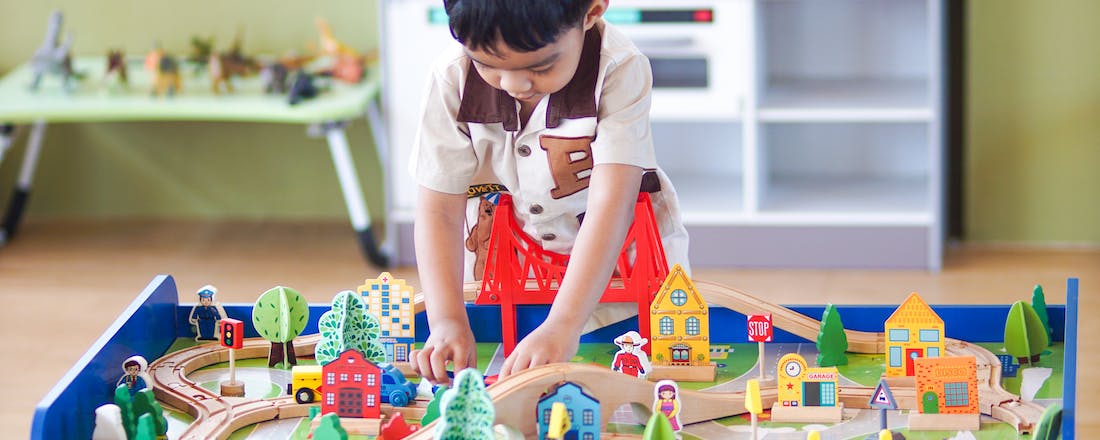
x=450, y=341
x=547, y=344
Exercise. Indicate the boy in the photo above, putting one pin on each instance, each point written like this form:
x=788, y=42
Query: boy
x=546, y=99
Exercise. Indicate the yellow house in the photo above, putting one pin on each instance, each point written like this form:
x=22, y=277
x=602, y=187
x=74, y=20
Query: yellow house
x=391, y=301
x=801, y=386
x=679, y=323
x=913, y=331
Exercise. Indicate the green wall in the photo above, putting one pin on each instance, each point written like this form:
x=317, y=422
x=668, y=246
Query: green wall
x=1033, y=121
x=196, y=170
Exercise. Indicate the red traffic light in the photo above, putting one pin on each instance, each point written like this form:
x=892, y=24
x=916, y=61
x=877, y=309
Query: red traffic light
x=232, y=332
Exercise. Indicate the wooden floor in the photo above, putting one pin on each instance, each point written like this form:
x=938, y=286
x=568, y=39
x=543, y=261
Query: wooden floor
x=67, y=282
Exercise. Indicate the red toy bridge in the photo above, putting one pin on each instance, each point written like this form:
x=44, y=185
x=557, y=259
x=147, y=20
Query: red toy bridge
x=519, y=271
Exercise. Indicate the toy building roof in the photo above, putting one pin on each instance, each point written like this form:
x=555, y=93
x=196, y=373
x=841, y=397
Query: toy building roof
x=350, y=358
x=567, y=385
x=678, y=280
x=912, y=312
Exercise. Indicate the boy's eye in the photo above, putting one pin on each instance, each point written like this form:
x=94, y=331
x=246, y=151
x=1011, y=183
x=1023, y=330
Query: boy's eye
x=541, y=71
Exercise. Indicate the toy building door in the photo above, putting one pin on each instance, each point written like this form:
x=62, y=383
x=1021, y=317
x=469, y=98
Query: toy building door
x=930, y=403
x=350, y=403
x=910, y=355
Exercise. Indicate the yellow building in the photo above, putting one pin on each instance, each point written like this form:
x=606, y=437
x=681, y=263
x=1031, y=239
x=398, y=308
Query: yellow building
x=801, y=386
x=913, y=331
x=391, y=301
x=679, y=323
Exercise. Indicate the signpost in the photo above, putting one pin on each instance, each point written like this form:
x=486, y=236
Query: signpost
x=232, y=337
x=761, y=331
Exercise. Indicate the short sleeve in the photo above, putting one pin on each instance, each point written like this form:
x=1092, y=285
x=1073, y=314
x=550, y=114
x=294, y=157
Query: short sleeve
x=622, y=123
x=443, y=158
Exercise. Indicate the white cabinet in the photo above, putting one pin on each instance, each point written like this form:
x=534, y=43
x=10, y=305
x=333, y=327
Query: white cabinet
x=801, y=133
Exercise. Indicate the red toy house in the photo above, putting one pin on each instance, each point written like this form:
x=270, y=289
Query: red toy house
x=351, y=387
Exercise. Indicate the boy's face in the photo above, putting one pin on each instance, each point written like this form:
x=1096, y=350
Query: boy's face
x=528, y=76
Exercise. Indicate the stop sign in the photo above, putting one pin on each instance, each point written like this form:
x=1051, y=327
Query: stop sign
x=760, y=327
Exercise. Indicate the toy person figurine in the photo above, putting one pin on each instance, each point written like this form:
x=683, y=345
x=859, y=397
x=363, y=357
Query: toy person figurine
x=206, y=314
x=667, y=401
x=631, y=359
x=134, y=379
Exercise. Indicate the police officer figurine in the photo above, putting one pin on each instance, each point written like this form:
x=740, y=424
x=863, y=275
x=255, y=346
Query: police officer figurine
x=206, y=314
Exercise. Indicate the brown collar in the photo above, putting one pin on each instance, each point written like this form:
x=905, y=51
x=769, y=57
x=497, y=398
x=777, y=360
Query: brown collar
x=483, y=104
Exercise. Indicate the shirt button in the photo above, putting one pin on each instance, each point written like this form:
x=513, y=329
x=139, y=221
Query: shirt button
x=548, y=237
x=535, y=209
x=524, y=150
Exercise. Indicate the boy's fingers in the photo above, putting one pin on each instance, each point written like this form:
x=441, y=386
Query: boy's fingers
x=422, y=364
x=438, y=361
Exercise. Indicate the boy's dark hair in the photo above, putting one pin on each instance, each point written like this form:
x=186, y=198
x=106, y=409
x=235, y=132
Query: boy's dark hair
x=523, y=25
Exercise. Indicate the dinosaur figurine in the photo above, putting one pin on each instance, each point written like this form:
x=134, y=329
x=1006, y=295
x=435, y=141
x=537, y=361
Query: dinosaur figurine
x=53, y=58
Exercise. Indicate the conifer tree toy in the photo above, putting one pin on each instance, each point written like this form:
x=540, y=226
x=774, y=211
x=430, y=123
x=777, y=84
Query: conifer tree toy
x=658, y=428
x=1039, y=303
x=145, y=429
x=832, y=342
x=108, y=423
x=432, y=411
x=146, y=404
x=279, y=315
x=125, y=404
x=467, y=411
x=348, y=325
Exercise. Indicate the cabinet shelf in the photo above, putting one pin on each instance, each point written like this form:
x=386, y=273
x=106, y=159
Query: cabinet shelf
x=850, y=100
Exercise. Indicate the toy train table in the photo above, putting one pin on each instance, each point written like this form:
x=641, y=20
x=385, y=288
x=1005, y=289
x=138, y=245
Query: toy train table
x=185, y=374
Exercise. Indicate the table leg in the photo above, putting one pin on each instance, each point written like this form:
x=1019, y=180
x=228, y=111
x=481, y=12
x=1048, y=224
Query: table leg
x=382, y=150
x=7, y=136
x=23, y=185
x=353, y=194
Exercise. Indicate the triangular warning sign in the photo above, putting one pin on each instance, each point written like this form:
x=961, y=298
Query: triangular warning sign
x=882, y=398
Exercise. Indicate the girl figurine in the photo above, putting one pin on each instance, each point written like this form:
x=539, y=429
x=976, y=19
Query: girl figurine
x=666, y=399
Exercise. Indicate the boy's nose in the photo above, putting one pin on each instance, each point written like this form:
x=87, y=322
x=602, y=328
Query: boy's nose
x=515, y=83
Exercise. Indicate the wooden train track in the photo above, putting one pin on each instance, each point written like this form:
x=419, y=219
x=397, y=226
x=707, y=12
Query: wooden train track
x=217, y=417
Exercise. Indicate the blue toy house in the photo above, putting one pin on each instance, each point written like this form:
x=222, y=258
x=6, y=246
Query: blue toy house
x=586, y=426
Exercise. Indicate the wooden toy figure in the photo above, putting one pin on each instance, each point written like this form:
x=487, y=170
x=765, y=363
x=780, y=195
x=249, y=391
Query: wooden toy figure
x=631, y=359
x=666, y=400
x=135, y=378
x=206, y=314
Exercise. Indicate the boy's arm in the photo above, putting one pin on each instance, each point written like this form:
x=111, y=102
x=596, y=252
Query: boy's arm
x=612, y=191
x=438, y=239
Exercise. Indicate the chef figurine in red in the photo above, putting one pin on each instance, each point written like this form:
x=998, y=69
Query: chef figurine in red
x=631, y=359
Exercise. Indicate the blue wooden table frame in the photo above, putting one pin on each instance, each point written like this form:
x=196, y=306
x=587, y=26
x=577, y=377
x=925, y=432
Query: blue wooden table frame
x=67, y=410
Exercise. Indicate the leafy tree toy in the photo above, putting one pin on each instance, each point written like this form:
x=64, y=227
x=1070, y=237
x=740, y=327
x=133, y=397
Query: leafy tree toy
x=1025, y=336
x=658, y=428
x=146, y=404
x=1050, y=424
x=1039, y=303
x=330, y=429
x=126, y=406
x=280, y=315
x=466, y=410
x=348, y=325
x=432, y=411
x=831, y=340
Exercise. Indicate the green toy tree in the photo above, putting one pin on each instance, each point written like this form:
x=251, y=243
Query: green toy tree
x=1039, y=303
x=330, y=429
x=126, y=404
x=832, y=342
x=348, y=325
x=145, y=428
x=658, y=428
x=432, y=411
x=1025, y=336
x=1050, y=424
x=145, y=403
x=280, y=315
x=467, y=410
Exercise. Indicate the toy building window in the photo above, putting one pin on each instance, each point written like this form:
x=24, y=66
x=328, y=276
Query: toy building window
x=679, y=297
x=370, y=400
x=330, y=398
x=899, y=335
x=370, y=380
x=955, y=394
x=666, y=325
x=828, y=394
x=895, y=356
x=933, y=352
x=357, y=378
x=343, y=377
x=589, y=436
x=331, y=378
x=546, y=416
x=693, y=326
x=589, y=417
x=929, y=335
